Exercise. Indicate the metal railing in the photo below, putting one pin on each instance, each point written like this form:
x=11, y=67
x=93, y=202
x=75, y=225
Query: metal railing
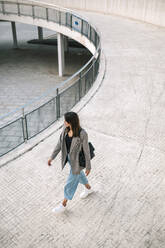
x=31, y=123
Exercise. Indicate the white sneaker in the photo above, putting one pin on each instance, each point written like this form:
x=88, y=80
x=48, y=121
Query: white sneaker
x=59, y=209
x=86, y=192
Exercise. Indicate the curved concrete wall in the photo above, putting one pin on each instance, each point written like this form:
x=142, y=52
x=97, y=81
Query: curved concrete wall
x=48, y=24
x=152, y=11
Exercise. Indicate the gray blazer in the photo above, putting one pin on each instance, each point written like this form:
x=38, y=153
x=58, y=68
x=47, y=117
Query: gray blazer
x=77, y=143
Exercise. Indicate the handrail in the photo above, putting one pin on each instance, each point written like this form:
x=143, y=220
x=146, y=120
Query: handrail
x=31, y=123
x=59, y=85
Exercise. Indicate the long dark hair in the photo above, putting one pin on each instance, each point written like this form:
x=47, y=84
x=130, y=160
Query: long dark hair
x=73, y=119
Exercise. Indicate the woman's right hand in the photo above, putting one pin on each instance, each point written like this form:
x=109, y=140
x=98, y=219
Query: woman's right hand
x=49, y=162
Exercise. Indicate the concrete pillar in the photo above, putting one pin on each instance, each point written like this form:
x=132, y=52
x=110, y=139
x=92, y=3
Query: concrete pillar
x=66, y=46
x=40, y=33
x=61, y=57
x=15, y=44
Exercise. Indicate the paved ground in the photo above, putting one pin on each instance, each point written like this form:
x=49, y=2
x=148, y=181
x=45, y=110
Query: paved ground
x=31, y=70
x=125, y=121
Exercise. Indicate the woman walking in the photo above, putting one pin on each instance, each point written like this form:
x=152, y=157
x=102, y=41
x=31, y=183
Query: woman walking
x=71, y=140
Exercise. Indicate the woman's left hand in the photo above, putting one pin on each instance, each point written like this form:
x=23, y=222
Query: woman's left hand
x=87, y=172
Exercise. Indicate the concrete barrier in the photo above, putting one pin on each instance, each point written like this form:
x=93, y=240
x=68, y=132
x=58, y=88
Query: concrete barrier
x=151, y=11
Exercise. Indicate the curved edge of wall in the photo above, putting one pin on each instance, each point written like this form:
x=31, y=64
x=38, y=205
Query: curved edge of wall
x=52, y=26
x=150, y=11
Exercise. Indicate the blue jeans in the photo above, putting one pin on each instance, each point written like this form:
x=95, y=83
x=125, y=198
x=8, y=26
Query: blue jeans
x=72, y=183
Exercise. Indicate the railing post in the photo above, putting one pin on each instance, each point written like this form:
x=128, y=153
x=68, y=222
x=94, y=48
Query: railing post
x=59, y=17
x=68, y=20
x=95, y=39
x=18, y=8
x=57, y=104
x=25, y=133
x=33, y=11
x=88, y=31
x=80, y=86
x=3, y=7
x=85, y=88
x=71, y=21
x=47, y=14
x=93, y=72
x=90, y=37
x=65, y=19
x=82, y=26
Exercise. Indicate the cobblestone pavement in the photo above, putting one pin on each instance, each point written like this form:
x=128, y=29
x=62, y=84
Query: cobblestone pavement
x=125, y=122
